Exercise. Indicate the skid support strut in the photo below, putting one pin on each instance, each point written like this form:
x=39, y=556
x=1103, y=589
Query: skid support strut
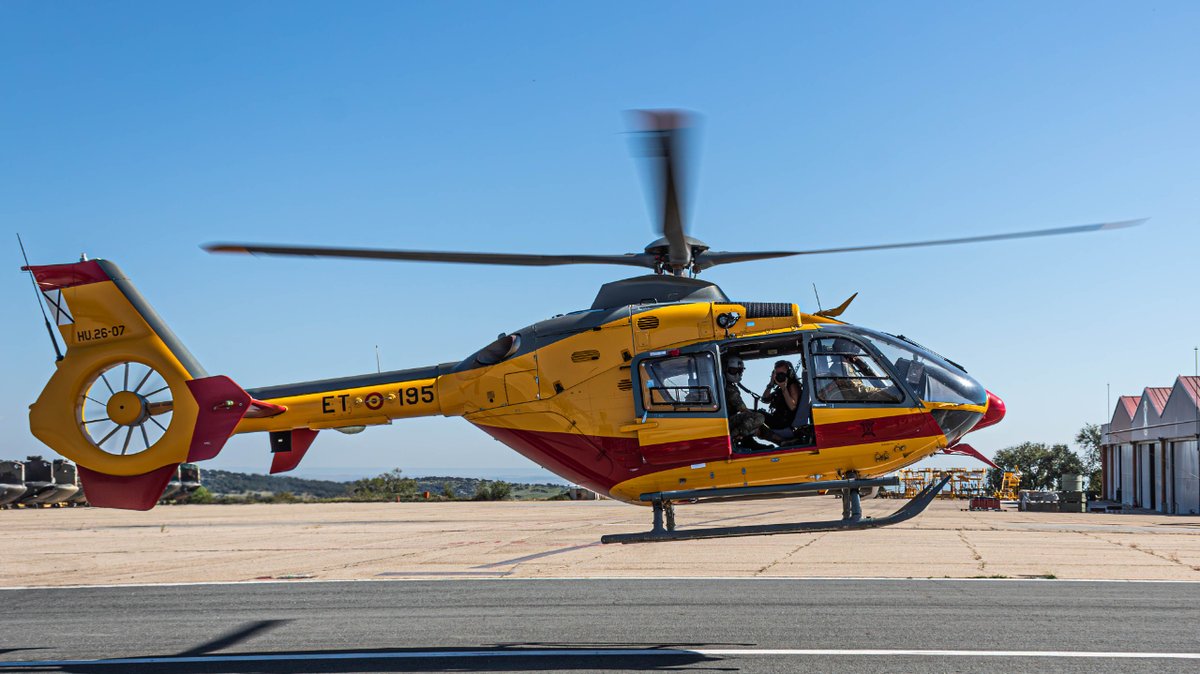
x=851, y=505
x=852, y=519
x=663, y=508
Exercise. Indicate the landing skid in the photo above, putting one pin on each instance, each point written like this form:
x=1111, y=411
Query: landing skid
x=852, y=519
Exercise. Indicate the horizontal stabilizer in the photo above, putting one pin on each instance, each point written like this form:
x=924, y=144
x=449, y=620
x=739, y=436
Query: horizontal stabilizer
x=289, y=447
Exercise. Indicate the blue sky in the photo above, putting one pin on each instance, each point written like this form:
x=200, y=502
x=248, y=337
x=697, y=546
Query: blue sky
x=137, y=131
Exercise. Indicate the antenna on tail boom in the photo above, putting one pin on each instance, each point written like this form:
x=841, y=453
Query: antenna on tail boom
x=37, y=292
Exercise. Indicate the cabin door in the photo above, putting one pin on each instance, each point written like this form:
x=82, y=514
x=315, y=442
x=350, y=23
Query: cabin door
x=678, y=395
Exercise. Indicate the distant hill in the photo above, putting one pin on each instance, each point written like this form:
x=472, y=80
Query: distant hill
x=223, y=482
x=464, y=487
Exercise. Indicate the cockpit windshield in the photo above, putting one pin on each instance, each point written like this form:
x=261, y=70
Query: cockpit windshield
x=930, y=376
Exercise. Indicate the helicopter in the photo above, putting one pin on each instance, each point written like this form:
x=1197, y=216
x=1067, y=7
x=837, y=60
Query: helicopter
x=637, y=397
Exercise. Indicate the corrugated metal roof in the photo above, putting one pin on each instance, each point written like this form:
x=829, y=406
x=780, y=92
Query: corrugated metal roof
x=1131, y=404
x=1158, y=397
x=1192, y=386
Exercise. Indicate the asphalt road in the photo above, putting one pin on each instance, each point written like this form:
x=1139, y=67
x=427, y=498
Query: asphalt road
x=605, y=625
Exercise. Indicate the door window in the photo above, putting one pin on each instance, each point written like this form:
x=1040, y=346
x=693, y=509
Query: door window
x=844, y=372
x=683, y=383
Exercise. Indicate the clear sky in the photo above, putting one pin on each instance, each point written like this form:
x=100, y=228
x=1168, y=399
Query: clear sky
x=138, y=131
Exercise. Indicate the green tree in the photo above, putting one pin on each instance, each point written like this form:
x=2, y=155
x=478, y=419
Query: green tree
x=389, y=486
x=448, y=491
x=201, y=495
x=492, y=491
x=1088, y=439
x=501, y=490
x=1041, y=465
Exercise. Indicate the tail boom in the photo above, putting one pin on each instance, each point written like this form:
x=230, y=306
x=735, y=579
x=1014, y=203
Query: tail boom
x=128, y=403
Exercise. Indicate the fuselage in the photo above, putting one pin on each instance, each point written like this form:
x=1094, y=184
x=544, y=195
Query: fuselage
x=580, y=394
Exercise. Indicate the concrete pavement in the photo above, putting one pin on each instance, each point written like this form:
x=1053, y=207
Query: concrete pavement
x=560, y=539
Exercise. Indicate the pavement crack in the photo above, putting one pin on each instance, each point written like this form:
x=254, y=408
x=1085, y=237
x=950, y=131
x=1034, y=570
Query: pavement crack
x=974, y=551
x=789, y=555
x=1172, y=557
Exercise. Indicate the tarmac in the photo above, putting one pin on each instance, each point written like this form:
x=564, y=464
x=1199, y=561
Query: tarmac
x=448, y=540
x=605, y=625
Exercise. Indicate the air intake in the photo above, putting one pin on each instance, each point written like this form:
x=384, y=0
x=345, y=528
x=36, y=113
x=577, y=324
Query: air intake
x=768, y=309
x=585, y=356
x=625, y=385
x=647, y=322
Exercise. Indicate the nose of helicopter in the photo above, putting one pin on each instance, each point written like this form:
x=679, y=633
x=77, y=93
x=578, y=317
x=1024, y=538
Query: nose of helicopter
x=957, y=423
x=995, y=412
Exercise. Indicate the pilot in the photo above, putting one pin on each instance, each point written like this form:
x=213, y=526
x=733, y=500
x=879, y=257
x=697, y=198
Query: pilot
x=846, y=371
x=744, y=423
x=783, y=396
x=854, y=377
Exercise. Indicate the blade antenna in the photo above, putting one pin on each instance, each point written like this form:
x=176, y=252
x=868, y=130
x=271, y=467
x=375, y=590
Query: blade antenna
x=819, y=308
x=37, y=292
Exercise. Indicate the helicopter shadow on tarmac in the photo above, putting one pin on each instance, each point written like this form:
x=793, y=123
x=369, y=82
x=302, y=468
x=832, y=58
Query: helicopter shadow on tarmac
x=503, y=657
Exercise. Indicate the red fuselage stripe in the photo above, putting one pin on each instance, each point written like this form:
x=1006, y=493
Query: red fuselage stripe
x=884, y=429
x=600, y=462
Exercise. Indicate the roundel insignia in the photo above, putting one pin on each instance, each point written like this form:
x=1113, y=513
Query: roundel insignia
x=374, y=400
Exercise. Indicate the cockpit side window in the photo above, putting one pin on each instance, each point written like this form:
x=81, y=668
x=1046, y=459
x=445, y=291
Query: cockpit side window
x=845, y=372
x=684, y=383
x=931, y=377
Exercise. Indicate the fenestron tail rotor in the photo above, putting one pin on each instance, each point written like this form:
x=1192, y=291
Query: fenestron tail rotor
x=128, y=402
x=126, y=409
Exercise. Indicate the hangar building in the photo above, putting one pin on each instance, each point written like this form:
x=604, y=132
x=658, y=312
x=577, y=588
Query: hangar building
x=1149, y=452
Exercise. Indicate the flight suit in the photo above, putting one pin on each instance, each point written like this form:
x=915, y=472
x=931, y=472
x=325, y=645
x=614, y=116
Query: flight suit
x=743, y=421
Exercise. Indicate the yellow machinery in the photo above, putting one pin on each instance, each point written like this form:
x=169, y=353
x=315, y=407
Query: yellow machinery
x=1010, y=484
x=964, y=483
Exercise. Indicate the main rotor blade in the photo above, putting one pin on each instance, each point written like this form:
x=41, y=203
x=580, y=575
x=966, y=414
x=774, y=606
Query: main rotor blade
x=518, y=259
x=710, y=258
x=664, y=132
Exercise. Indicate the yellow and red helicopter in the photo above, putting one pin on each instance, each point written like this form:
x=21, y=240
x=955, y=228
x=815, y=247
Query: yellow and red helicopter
x=633, y=397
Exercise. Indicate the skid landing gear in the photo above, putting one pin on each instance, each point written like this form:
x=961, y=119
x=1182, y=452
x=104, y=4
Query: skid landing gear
x=663, y=508
x=851, y=505
x=852, y=519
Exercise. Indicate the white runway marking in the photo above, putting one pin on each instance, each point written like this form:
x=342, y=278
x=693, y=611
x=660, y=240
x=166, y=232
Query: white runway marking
x=602, y=653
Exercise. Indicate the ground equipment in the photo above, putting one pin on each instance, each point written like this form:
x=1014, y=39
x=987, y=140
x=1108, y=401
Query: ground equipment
x=1010, y=484
x=12, y=482
x=39, y=482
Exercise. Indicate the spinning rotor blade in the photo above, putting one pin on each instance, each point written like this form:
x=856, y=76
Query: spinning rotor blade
x=518, y=259
x=663, y=132
x=709, y=259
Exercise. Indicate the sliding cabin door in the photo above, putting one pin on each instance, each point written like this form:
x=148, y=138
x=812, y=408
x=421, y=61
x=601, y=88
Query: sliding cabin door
x=679, y=398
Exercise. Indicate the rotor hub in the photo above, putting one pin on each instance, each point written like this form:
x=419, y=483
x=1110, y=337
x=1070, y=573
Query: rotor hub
x=127, y=408
x=662, y=247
